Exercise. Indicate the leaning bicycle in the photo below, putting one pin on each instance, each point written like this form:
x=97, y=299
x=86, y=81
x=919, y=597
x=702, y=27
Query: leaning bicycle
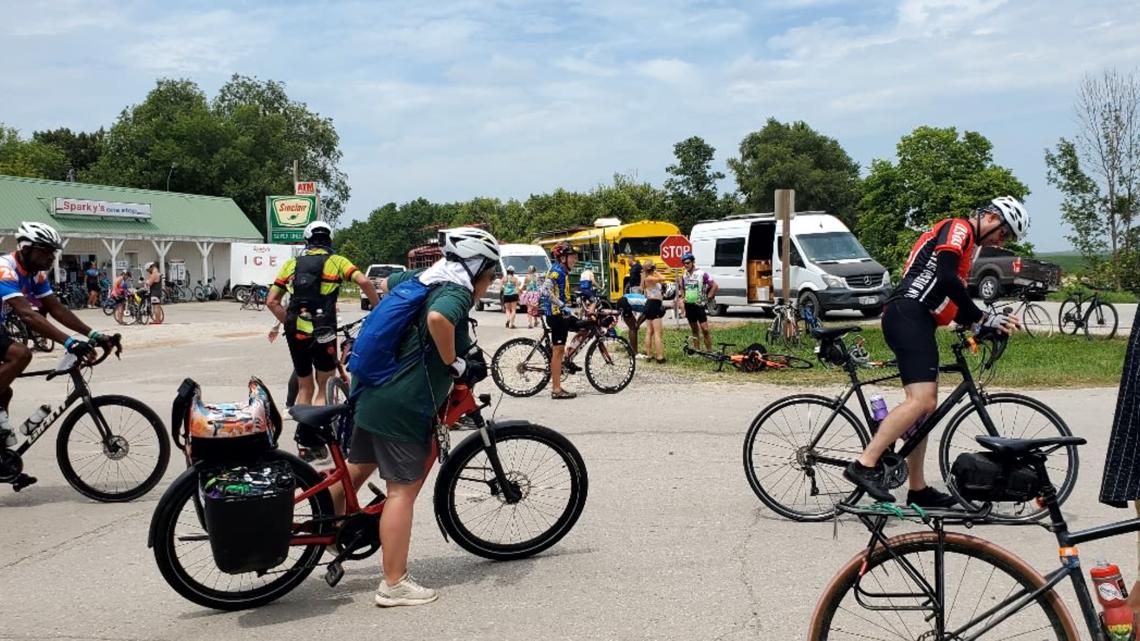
x=788, y=326
x=1035, y=319
x=1079, y=312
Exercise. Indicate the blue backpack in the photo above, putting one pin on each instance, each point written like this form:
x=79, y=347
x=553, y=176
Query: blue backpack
x=376, y=353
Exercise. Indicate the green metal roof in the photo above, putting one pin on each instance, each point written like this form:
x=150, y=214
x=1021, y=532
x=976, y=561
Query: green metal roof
x=172, y=215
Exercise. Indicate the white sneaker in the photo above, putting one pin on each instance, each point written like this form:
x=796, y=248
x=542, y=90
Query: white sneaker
x=405, y=592
x=639, y=356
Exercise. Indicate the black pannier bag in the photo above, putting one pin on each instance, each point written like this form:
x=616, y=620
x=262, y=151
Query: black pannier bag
x=989, y=477
x=249, y=514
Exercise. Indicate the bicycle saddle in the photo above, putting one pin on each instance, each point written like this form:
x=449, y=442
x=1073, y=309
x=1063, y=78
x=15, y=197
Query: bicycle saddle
x=822, y=333
x=317, y=415
x=1023, y=446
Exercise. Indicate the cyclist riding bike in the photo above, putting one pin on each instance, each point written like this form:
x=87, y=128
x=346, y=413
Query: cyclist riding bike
x=394, y=420
x=556, y=306
x=313, y=281
x=932, y=293
x=23, y=285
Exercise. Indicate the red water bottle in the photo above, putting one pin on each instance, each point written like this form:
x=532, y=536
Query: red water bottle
x=1110, y=591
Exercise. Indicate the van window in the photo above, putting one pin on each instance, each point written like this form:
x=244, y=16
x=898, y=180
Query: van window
x=729, y=252
x=794, y=257
x=832, y=246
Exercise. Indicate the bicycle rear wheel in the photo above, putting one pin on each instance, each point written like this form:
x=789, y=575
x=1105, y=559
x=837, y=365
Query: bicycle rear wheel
x=785, y=361
x=610, y=364
x=1069, y=317
x=1036, y=321
x=541, y=463
x=521, y=367
x=785, y=469
x=182, y=546
x=979, y=574
x=1101, y=321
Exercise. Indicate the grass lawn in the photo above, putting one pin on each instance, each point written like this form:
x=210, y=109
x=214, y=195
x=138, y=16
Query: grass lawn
x=1057, y=361
x=1107, y=296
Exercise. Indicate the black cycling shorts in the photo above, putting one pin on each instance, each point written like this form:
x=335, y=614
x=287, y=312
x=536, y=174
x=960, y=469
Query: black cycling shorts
x=560, y=327
x=909, y=328
x=696, y=313
x=654, y=309
x=308, y=354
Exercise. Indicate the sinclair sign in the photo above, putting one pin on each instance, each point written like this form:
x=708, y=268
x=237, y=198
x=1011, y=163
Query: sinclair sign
x=287, y=217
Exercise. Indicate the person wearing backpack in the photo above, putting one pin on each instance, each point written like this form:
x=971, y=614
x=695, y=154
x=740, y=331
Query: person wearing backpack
x=312, y=280
x=408, y=353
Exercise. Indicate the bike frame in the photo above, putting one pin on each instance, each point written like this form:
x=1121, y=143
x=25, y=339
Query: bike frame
x=80, y=391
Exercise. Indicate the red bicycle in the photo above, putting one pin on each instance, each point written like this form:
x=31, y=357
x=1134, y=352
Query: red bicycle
x=508, y=491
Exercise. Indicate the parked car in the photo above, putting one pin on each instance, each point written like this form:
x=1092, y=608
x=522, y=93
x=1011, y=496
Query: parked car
x=997, y=270
x=376, y=273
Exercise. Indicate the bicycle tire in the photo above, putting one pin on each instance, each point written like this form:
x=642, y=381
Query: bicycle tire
x=1052, y=425
x=336, y=391
x=791, y=457
x=1100, y=314
x=786, y=361
x=824, y=627
x=528, y=350
x=80, y=479
x=448, y=502
x=610, y=354
x=108, y=307
x=1037, y=321
x=1069, y=317
x=121, y=317
x=200, y=294
x=164, y=526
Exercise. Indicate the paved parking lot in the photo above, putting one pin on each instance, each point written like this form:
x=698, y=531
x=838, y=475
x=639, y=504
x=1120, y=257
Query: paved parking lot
x=672, y=543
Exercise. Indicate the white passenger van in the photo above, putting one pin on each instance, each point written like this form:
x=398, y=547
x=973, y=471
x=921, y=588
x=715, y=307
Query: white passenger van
x=520, y=257
x=830, y=269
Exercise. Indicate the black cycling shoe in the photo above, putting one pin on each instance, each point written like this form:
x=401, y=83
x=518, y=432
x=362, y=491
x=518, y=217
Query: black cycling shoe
x=930, y=497
x=868, y=479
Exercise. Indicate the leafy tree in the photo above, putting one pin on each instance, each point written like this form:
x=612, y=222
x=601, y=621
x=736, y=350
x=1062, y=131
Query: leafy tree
x=29, y=158
x=795, y=156
x=81, y=149
x=692, y=186
x=938, y=173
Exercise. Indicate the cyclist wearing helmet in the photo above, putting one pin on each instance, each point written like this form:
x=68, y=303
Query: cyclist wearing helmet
x=313, y=280
x=395, y=420
x=24, y=286
x=697, y=287
x=932, y=293
x=555, y=304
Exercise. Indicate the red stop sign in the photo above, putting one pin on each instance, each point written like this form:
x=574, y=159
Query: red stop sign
x=673, y=248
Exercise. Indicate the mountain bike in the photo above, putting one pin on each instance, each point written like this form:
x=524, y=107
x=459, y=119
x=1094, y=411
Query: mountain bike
x=508, y=491
x=206, y=292
x=252, y=297
x=110, y=448
x=1035, y=319
x=754, y=358
x=521, y=366
x=941, y=585
x=1088, y=313
x=796, y=449
x=788, y=326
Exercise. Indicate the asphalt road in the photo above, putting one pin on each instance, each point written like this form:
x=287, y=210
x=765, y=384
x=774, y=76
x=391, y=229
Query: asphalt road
x=672, y=543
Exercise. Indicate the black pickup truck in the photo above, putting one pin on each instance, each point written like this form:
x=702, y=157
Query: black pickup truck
x=997, y=271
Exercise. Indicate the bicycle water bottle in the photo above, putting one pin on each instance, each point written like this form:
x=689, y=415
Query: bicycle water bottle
x=1117, y=617
x=878, y=408
x=35, y=420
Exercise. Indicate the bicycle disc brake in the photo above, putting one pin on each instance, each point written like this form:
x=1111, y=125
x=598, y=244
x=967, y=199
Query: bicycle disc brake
x=11, y=465
x=895, y=470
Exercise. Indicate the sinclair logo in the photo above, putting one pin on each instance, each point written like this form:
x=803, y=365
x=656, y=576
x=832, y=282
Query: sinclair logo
x=293, y=212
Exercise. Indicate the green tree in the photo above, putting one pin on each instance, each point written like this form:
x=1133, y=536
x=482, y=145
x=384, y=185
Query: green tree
x=692, y=185
x=938, y=173
x=29, y=158
x=795, y=156
x=81, y=149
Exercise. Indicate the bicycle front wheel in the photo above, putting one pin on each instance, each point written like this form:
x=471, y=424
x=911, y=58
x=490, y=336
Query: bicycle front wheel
x=116, y=454
x=891, y=595
x=1013, y=416
x=521, y=367
x=1037, y=321
x=1069, y=317
x=182, y=546
x=541, y=464
x=1101, y=321
x=610, y=364
x=794, y=477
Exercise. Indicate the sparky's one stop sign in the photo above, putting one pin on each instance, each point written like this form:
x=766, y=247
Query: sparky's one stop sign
x=673, y=248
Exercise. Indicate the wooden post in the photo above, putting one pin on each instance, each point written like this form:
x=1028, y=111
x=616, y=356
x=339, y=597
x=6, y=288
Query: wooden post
x=785, y=209
x=296, y=171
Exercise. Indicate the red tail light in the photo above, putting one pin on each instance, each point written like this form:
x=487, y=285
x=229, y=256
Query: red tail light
x=1017, y=265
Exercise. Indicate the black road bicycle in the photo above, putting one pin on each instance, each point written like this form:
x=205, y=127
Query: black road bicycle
x=521, y=366
x=944, y=586
x=110, y=448
x=797, y=448
x=1097, y=318
x=1035, y=319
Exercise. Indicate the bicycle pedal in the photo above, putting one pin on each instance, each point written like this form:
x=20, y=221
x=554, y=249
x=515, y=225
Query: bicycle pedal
x=23, y=481
x=334, y=574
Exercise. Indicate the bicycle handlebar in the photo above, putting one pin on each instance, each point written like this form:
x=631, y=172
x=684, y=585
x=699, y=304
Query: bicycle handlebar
x=93, y=358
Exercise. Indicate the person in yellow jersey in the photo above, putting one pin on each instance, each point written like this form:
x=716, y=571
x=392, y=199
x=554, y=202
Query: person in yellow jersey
x=313, y=281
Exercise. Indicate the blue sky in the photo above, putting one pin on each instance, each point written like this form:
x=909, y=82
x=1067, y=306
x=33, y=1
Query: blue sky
x=454, y=99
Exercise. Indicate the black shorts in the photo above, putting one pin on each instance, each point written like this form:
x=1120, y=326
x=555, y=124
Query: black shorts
x=510, y=298
x=308, y=354
x=909, y=328
x=654, y=309
x=560, y=327
x=93, y=287
x=696, y=313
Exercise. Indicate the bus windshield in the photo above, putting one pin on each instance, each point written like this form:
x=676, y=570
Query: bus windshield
x=832, y=247
x=521, y=263
x=646, y=246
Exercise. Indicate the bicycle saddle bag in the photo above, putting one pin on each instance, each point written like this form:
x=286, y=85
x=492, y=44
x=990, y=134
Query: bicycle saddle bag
x=225, y=431
x=989, y=477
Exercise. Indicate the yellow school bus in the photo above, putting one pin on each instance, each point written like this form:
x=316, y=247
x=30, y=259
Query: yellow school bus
x=608, y=247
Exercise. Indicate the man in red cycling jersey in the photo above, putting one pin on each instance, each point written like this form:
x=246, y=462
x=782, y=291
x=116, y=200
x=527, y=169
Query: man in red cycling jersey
x=932, y=293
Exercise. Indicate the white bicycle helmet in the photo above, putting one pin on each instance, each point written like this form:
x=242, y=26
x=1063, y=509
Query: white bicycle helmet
x=1013, y=213
x=39, y=234
x=469, y=243
x=317, y=227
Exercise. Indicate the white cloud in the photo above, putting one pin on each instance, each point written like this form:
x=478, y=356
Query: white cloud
x=669, y=70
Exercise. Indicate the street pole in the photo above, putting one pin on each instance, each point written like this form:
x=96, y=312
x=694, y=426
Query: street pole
x=785, y=207
x=296, y=171
x=172, y=166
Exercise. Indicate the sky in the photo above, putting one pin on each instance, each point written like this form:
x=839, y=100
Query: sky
x=452, y=99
